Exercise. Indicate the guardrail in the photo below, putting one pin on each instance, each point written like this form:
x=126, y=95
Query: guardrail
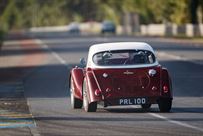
x=187, y=30
x=89, y=27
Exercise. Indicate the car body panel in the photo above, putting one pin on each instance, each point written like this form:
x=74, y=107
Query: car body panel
x=128, y=82
x=166, y=81
x=77, y=76
x=92, y=85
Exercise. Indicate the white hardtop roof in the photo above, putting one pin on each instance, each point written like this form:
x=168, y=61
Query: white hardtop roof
x=119, y=46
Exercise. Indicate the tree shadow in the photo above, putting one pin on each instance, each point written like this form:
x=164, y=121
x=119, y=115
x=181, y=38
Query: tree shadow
x=186, y=78
x=48, y=81
x=187, y=110
x=52, y=81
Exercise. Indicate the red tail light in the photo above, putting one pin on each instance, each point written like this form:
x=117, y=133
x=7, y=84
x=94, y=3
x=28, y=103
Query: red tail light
x=97, y=92
x=165, y=89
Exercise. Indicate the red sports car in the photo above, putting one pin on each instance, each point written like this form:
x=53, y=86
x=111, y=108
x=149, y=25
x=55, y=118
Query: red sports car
x=123, y=73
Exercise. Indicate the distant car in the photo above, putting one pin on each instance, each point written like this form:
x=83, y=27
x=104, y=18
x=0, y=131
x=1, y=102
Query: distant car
x=74, y=28
x=124, y=73
x=108, y=27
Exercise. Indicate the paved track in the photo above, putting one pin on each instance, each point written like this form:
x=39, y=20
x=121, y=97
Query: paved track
x=46, y=88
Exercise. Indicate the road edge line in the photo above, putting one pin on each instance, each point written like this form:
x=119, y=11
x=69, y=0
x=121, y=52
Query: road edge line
x=33, y=130
x=175, y=122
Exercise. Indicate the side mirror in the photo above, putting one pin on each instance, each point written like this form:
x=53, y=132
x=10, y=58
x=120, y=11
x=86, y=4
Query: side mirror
x=83, y=62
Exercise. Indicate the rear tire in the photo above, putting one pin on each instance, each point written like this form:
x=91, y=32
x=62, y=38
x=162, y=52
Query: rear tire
x=88, y=107
x=75, y=102
x=165, y=105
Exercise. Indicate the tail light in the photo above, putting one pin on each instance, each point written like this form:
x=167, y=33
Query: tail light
x=97, y=92
x=165, y=89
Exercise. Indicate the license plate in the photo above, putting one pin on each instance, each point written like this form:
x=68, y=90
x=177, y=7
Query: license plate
x=132, y=101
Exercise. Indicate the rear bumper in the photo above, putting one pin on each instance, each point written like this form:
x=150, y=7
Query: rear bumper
x=133, y=101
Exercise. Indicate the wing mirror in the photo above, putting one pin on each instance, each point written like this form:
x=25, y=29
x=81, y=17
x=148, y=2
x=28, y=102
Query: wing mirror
x=82, y=62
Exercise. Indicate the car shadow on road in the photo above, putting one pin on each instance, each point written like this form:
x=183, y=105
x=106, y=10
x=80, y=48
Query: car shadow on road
x=52, y=81
x=48, y=81
x=128, y=110
x=155, y=110
x=107, y=118
x=187, y=110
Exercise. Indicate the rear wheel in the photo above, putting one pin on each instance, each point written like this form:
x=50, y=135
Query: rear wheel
x=88, y=107
x=75, y=102
x=146, y=106
x=165, y=105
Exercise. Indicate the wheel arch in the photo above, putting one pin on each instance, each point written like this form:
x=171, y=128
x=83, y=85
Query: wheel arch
x=91, y=87
x=166, y=80
x=77, y=76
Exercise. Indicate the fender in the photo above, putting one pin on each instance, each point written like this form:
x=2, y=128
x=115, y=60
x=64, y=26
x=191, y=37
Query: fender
x=77, y=77
x=92, y=85
x=166, y=81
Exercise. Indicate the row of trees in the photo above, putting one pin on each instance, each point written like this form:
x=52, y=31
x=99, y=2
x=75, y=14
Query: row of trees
x=15, y=14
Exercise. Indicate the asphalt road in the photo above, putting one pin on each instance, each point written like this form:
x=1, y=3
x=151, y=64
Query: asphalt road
x=46, y=88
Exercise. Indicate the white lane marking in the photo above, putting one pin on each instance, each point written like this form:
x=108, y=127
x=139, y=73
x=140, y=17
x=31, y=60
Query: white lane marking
x=176, y=57
x=164, y=54
x=34, y=131
x=46, y=47
x=176, y=122
x=60, y=59
x=170, y=120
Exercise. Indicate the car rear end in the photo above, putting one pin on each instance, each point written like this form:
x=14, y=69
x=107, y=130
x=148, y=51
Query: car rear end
x=132, y=86
x=129, y=75
x=135, y=80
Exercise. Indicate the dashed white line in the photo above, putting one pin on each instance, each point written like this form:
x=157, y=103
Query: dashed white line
x=61, y=60
x=44, y=46
x=164, y=54
x=176, y=122
x=176, y=57
x=171, y=121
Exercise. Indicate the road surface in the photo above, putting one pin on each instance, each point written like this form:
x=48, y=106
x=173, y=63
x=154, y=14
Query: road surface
x=46, y=90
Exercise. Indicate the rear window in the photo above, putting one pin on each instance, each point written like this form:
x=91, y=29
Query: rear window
x=124, y=57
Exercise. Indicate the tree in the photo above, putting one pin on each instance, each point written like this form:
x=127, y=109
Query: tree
x=193, y=10
x=17, y=14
